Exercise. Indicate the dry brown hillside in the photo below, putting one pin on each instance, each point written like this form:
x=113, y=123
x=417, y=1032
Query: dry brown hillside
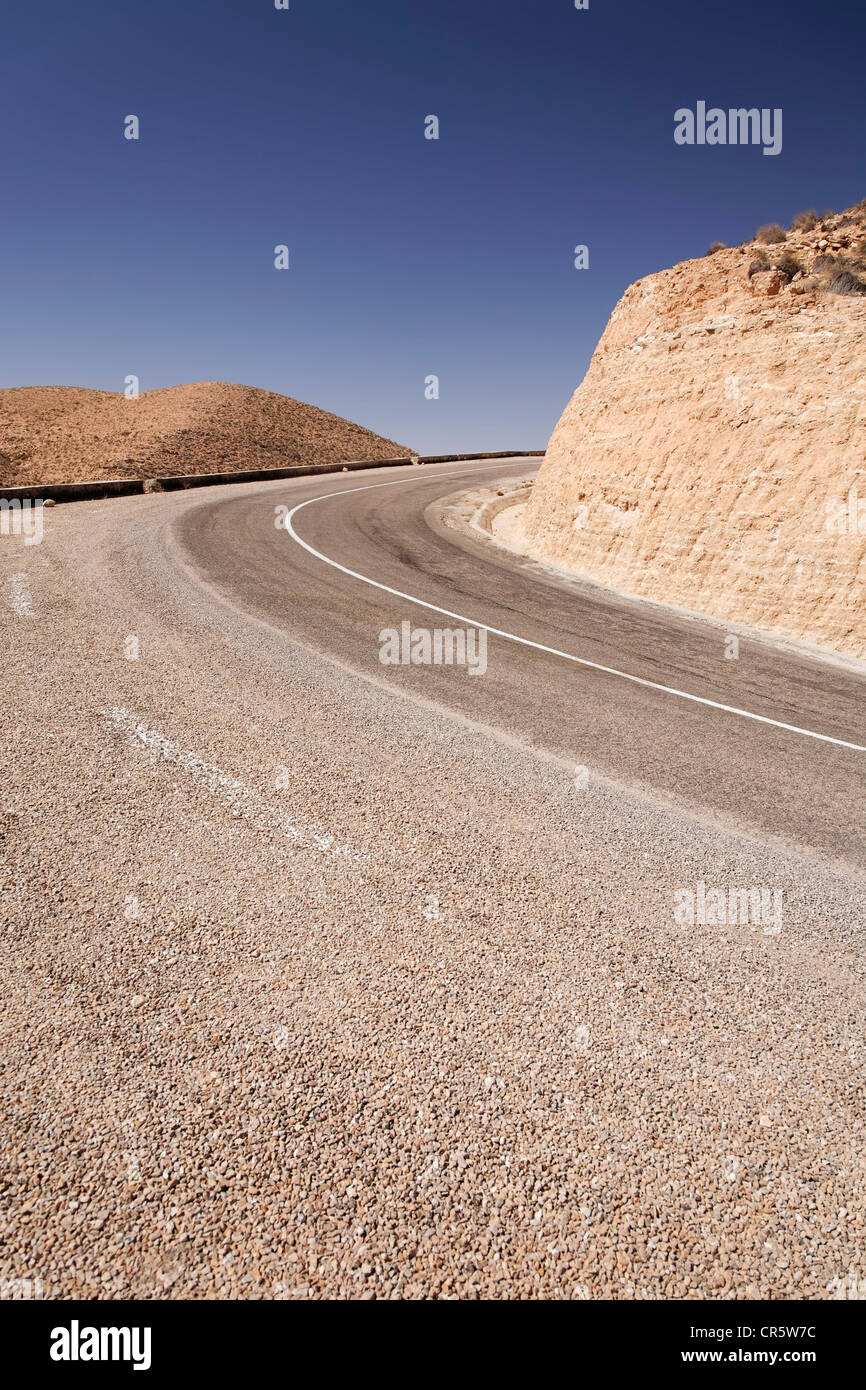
x=714, y=456
x=58, y=434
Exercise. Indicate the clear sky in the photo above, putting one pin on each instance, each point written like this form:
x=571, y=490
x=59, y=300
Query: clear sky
x=408, y=257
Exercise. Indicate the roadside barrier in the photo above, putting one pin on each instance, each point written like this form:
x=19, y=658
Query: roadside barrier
x=129, y=487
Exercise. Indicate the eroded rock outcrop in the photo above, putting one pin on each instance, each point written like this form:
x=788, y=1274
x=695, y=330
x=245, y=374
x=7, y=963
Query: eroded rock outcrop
x=715, y=454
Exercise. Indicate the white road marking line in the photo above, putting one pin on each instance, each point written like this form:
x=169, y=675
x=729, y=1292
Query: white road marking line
x=538, y=646
x=22, y=601
x=241, y=801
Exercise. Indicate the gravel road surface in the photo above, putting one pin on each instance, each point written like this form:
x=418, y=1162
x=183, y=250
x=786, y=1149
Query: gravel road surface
x=324, y=978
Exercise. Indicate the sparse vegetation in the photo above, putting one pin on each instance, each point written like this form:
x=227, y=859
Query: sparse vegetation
x=804, y=221
x=844, y=282
x=840, y=271
x=770, y=234
x=788, y=265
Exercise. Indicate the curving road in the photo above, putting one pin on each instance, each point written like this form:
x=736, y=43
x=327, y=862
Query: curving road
x=327, y=979
x=720, y=757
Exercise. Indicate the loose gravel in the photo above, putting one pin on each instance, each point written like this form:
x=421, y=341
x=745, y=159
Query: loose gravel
x=470, y=1055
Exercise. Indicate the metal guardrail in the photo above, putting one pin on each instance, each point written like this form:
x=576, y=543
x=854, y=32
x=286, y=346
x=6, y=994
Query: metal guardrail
x=501, y=454
x=130, y=487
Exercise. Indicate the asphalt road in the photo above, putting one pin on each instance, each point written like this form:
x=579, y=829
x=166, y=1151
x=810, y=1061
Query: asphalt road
x=802, y=790
x=327, y=979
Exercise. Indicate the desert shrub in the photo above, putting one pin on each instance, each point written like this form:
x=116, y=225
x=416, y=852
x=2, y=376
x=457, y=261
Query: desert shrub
x=846, y=283
x=770, y=234
x=759, y=263
x=804, y=221
x=824, y=264
x=716, y=246
x=789, y=265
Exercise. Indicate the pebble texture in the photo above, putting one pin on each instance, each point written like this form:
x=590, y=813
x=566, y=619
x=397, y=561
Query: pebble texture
x=720, y=427
x=311, y=991
x=64, y=434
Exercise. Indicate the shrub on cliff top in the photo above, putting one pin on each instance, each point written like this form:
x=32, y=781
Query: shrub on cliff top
x=804, y=221
x=770, y=234
x=846, y=283
x=759, y=263
x=789, y=265
x=716, y=246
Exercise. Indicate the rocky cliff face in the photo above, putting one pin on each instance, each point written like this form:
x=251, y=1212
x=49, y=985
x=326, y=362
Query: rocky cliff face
x=715, y=454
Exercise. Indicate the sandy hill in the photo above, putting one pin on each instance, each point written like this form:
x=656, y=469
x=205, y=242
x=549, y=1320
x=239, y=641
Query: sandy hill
x=67, y=434
x=714, y=456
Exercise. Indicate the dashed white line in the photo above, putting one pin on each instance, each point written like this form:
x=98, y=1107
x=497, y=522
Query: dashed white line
x=241, y=800
x=525, y=641
x=22, y=602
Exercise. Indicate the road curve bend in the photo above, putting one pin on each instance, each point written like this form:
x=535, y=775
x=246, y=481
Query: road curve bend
x=325, y=978
x=774, y=741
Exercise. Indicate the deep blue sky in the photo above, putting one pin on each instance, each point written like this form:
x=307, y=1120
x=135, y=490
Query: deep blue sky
x=408, y=256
